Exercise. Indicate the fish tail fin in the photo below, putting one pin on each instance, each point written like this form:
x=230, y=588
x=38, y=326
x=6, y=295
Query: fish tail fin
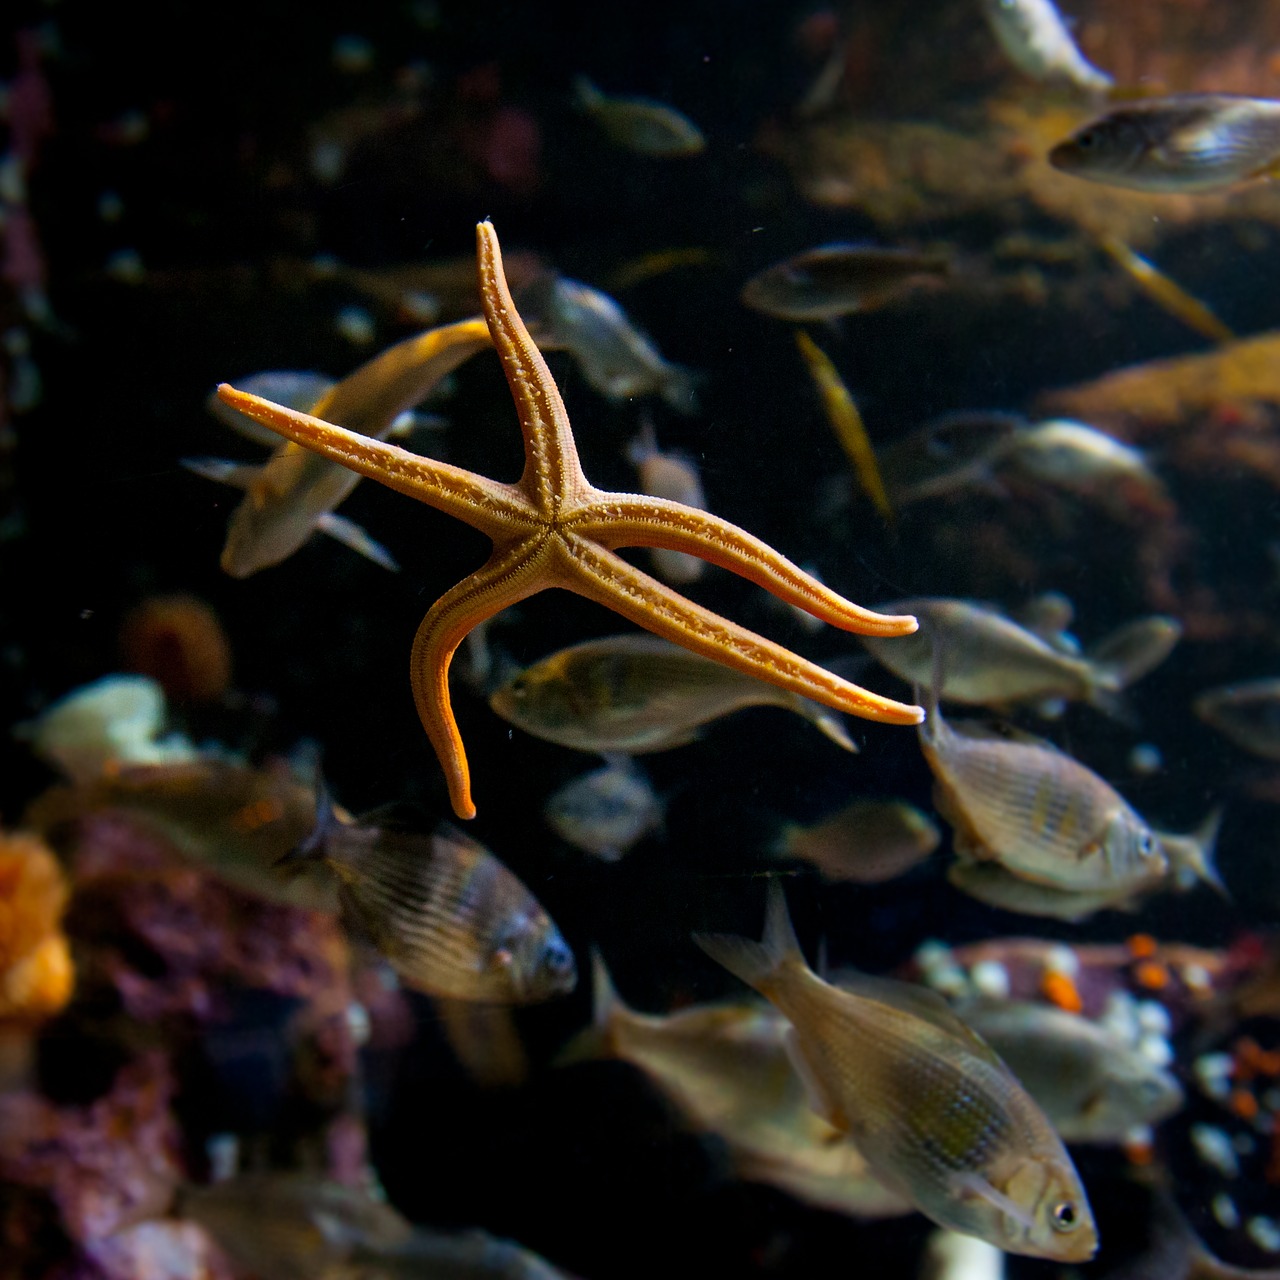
x=240, y=475
x=758, y=963
x=1196, y=852
x=597, y=1040
x=314, y=847
x=586, y=95
x=1131, y=651
x=933, y=726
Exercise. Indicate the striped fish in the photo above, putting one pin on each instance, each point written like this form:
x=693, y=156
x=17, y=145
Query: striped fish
x=444, y=912
x=1022, y=802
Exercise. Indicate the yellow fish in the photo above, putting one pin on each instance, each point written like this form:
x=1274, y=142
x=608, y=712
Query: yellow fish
x=938, y=1117
x=296, y=491
x=444, y=912
x=843, y=414
x=638, y=693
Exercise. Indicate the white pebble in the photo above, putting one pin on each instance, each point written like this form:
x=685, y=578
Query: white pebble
x=1196, y=978
x=420, y=306
x=356, y=325
x=1214, y=1149
x=1154, y=1018
x=1156, y=1050
x=1213, y=1074
x=1224, y=1210
x=1145, y=759
x=1120, y=1016
x=950, y=981
x=1264, y=1233
x=222, y=1150
x=358, y=1022
x=1062, y=960
x=990, y=978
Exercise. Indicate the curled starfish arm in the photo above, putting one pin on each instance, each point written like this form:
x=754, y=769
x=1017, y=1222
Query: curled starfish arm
x=487, y=505
x=634, y=521
x=552, y=471
x=611, y=581
x=478, y=597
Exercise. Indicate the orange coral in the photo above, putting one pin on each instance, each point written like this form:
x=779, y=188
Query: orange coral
x=178, y=641
x=36, y=974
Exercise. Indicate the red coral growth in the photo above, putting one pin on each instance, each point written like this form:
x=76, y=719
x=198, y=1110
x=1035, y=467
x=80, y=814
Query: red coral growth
x=106, y=1165
x=179, y=642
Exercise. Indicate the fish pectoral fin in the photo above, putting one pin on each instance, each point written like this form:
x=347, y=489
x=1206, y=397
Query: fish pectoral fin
x=240, y=475
x=352, y=535
x=820, y=1101
x=973, y=1186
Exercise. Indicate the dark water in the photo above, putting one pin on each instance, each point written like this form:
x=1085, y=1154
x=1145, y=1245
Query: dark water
x=587, y=1164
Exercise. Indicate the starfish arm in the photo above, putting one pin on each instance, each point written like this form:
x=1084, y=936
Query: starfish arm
x=371, y=398
x=505, y=579
x=487, y=505
x=609, y=580
x=627, y=520
x=552, y=473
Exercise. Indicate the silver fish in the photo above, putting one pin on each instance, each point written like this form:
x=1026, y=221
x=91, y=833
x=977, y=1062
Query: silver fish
x=1185, y=143
x=1036, y=40
x=606, y=811
x=615, y=356
x=1247, y=713
x=673, y=476
x=937, y=1115
x=992, y=661
x=1093, y=1086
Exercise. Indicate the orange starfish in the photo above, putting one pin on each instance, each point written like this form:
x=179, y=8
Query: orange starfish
x=554, y=529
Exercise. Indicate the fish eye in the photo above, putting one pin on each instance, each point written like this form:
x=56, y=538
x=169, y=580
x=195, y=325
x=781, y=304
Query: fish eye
x=519, y=687
x=557, y=959
x=1087, y=139
x=1064, y=1216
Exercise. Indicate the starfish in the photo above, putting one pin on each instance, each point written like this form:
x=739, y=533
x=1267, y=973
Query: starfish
x=553, y=528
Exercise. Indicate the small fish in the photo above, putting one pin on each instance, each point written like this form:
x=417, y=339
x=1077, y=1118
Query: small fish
x=938, y=1117
x=638, y=693
x=990, y=883
x=296, y=491
x=726, y=1067
x=866, y=842
x=648, y=266
x=607, y=811
x=445, y=913
x=615, y=357
x=1092, y=1084
x=956, y=452
x=992, y=661
x=673, y=476
x=292, y=1226
x=1075, y=456
x=1036, y=40
x=841, y=279
x=1165, y=292
x=1039, y=812
x=234, y=819
x=1247, y=713
x=1182, y=144
x=842, y=412
x=639, y=124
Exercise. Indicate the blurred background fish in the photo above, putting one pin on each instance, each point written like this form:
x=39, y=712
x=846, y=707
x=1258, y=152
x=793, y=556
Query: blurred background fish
x=866, y=842
x=640, y=124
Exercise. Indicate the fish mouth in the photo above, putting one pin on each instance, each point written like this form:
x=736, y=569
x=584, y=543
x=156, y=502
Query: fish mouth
x=1065, y=156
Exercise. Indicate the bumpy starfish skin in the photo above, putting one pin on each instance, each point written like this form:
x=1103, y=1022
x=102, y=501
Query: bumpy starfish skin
x=554, y=529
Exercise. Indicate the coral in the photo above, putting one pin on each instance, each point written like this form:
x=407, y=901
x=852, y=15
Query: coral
x=36, y=975
x=179, y=642
x=107, y=1165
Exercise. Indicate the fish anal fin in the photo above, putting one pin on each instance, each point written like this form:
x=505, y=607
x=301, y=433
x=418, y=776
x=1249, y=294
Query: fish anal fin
x=353, y=536
x=820, y=1101
x=240, y=475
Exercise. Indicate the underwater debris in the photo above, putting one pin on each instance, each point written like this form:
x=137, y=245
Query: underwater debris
x=178, y=641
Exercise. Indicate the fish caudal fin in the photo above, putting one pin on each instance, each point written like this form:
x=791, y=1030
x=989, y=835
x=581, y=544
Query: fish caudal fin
x=758, y=963
x=597, y=1040
x=352, y=535
x=313, y=848
x=1132, y=651
x=829, y=723
x=1192, y=855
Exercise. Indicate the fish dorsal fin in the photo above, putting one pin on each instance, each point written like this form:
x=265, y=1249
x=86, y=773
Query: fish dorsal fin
x=919, y=1002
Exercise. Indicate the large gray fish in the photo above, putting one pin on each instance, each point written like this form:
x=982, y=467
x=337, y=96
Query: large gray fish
x=296, y=491
x=638, y=693
x=1092, y=1084
x=841, y=279
x=1043, y=815
x=445, y=913
x=938, y=1116
x=1188, y=142
x=726, y=1067
x=993, y=661
x=1247, y=713
x=615, y=356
